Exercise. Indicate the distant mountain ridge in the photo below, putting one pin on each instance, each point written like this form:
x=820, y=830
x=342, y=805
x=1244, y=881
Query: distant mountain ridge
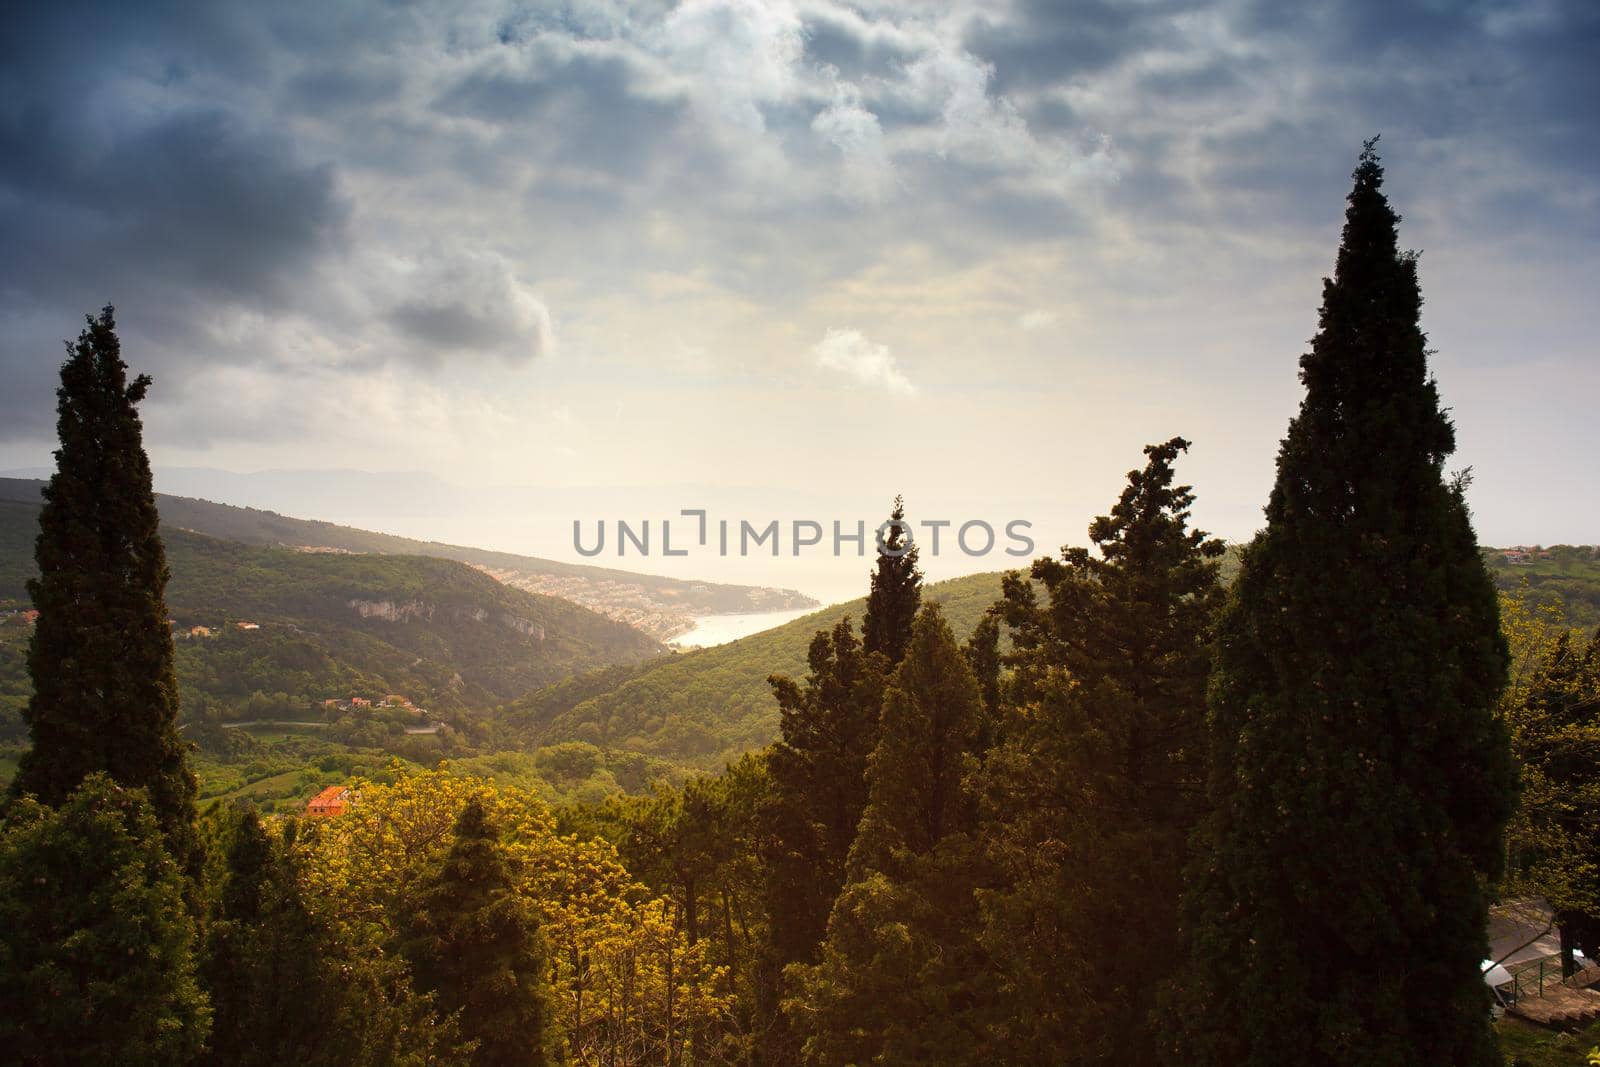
x=317, y=626
x=659, y=606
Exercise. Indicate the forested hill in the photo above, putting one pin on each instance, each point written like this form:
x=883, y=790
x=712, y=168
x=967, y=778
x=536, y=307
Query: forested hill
x=660, y=606
x=1568, y=575
x=706, y=707
x=333, y=624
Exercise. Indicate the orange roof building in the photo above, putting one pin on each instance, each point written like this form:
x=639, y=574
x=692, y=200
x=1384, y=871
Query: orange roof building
x=334, y=800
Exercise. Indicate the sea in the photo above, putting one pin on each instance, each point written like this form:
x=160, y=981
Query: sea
x=720, y=629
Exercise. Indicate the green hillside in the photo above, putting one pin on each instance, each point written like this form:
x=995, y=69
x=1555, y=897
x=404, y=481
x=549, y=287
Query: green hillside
x=252, y=526
x=334, y=625
x=712, y=705
x=1564, y=574
x=705, y=707
x=446, y=619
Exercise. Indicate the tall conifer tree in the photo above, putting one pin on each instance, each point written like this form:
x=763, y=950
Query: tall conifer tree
x=1361, y=778
x=262, y=961
x=105, y=696
x=1093, y=799
x=901, y=974
x=283, y=989
x=477, y=947
x=818, y=789
x=818, y=771
x=896, y=589
x=96, y=945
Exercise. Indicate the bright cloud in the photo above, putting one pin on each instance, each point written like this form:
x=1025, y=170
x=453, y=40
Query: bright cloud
x=850, y=352
x=867, y=172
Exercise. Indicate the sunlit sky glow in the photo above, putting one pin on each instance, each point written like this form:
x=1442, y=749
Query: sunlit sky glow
x=789, y=258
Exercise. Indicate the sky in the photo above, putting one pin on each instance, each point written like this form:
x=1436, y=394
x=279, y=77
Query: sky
x=476, y=270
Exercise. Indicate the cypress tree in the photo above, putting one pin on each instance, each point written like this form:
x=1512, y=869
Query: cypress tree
x=105, y=696
x=278, y=992
x=817, y=792
x=1361, y=780
x=477, y=947
x=900, y=975
x=896, y=589
x=1093, y=798
x=96, y=944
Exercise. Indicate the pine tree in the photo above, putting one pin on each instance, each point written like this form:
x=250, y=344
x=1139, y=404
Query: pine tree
x=261, y=960
x=900, y=974
x=96, y=944
x=105, y=696
x=282, y=989
x=1093, y=799
x=477, y=947
x=1361, y=779
x=896, y=589
x=983, y=656
x=817, y=792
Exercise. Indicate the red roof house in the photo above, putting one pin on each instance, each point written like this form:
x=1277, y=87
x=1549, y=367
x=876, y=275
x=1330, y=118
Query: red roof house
x=334, y=800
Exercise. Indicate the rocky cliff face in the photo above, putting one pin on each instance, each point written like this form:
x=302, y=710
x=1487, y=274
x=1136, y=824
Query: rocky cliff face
x=523, y=626
x=392, y=611
x=406, y=610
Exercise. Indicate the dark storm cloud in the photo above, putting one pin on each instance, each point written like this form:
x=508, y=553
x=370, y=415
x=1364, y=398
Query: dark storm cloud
x=115, y=186
x=191, y=201
x=852, y=49
x=1042, y=42
x=1498, y=93
x=341, y=88
x=185, y=215
x=583, y=109
x=450, y=326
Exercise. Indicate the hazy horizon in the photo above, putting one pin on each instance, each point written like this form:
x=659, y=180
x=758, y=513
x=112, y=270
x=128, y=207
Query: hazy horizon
x=537, y=521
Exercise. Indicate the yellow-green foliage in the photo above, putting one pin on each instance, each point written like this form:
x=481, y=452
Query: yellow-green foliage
x=1552, y=708
x=629, y=987
x=1561, y=575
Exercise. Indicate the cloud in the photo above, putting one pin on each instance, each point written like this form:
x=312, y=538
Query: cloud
x=849, y=352
x=420, y=192
x=1034, y=43
x=457, y=301
x=180, y=220
x=987, y=134
x=739, y=56
x=867, y=172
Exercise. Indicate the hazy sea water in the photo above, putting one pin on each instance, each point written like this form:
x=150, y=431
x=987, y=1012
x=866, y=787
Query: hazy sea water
x=720, y=629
